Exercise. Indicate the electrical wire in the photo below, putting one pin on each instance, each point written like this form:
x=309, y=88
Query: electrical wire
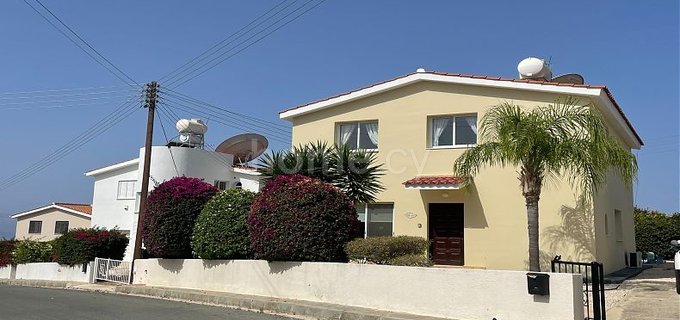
x=202, y=56
x=117, y=75
x=198, y=102
x=167, y=141
x=122, y=112
x=176, y=83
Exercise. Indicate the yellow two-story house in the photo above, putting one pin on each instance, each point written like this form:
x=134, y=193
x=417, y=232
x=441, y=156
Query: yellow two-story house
x=419, y=123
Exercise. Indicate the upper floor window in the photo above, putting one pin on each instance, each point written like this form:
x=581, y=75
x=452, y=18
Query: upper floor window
x=359, y=135
x=34, y=226
x=126, y=190
x=448, y=131
x=60, y=227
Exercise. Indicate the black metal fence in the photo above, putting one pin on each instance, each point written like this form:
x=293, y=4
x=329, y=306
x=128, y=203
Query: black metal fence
x=593, y=284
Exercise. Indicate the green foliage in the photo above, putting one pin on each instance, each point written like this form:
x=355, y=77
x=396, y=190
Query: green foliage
x=6, y=252
x=654, y=231
x=80, y=246
x=296, y=218
x=352, y=171
x=221, y=231
x=562, y=139
x=171, y=212
x=411, y=260
x=29, y=251
x=389, y=250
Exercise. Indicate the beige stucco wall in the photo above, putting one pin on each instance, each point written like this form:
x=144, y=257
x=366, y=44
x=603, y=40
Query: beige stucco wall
x=495, y=215
x=49, y=217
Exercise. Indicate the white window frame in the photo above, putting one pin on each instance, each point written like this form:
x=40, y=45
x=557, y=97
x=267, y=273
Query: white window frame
x=358, y=124
x=367, y=219
x=125, y=195
x=453, y=117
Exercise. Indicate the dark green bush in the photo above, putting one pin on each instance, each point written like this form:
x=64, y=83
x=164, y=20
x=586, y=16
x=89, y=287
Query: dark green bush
x=80, y=246
x=171, y=212
x=411, y=260
x=383, y=250
x=655, y=230
x=296, y=218
x=29, y=251
x=221, y=231
x=6, y=252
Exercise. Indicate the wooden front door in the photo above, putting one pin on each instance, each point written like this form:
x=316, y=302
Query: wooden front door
x=446, y=223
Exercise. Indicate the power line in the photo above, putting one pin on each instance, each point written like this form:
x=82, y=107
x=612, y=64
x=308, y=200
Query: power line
x=238, y=123
x=86, y=89
x=119, y=114
x=201, y=57
x=117, y=75
x=174, y=82
x=198, y=102
x=160, y=120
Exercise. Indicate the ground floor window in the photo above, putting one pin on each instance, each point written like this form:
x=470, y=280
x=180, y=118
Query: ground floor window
x=376, y=220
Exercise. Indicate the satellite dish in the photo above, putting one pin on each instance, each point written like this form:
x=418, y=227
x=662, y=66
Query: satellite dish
x=569, y=78
x=244, y=147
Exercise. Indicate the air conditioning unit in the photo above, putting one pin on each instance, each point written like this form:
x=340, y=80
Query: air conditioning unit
x=635, y=259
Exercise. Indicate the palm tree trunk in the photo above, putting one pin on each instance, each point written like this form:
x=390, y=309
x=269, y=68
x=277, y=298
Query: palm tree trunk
x=532, y=225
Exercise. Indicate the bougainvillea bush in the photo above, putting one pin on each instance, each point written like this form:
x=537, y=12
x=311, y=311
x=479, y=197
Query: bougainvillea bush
x=170, y=215
x=296, y=218
x=221, y=231
x=6, y=251
x=79, y=246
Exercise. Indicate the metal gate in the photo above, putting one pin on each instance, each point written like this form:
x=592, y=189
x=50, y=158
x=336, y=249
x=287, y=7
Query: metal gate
x=593, y=284
x=112, y=270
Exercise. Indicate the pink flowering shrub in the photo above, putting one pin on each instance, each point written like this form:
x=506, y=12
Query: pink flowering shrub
x=171, y=212
x=79, y=246
x=296, y=218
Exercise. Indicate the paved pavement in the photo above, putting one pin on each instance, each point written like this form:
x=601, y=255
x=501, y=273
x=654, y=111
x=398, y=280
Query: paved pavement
x=25, y=303
x=650, y=295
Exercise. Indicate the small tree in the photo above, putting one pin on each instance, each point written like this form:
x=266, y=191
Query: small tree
x=6, y=252
x=171, y=212
x=561, y=139
x=80, y=246
x=352, y=171
x=297, y=218
x=221, y=231
x=654, y=231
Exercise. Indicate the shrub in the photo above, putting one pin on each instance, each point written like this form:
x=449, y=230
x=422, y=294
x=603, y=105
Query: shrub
x=6, y=250
x=387, y=250
x=79, y=246
x=29, y=251
x=411, y=260
x=655, y=230
x=221, y=231
x=170, y=214
x=297, y=218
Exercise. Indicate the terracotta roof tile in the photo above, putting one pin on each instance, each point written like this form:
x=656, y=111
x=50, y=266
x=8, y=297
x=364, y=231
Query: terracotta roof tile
x=434, y=180
x=80, y=207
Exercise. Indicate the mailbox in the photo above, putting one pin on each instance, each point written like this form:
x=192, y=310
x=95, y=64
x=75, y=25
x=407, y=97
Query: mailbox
x=538, y=283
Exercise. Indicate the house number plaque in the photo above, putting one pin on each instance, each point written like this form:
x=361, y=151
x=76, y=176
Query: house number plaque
x=410, y=215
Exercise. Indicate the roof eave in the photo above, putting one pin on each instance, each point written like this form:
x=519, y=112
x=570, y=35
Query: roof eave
x=110, y=168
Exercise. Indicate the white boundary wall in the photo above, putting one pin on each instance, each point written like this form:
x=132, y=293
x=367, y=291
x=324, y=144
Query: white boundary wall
x=439, y=292
x=7, y=272
x=52, y=271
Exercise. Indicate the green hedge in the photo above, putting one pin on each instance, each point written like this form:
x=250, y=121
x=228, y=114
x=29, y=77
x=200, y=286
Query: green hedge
x=29, y=251
x=221, y=231
x=655, y=230
x=79, y=246
x=400, y=250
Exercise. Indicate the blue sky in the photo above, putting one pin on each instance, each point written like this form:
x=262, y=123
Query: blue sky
x=630, y=46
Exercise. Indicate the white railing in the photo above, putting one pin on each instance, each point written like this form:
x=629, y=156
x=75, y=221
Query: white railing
x=112, y=270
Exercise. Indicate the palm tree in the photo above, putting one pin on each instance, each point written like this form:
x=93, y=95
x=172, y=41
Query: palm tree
x=352, y=171
x=562, y=139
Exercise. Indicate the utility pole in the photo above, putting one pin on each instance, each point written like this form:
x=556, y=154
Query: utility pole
x=151, y=96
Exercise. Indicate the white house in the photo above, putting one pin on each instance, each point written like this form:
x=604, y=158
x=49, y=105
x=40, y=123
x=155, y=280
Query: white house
x=117, y=187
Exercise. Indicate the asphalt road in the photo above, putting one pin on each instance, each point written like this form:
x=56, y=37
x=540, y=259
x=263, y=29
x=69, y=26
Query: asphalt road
x=23, y=303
